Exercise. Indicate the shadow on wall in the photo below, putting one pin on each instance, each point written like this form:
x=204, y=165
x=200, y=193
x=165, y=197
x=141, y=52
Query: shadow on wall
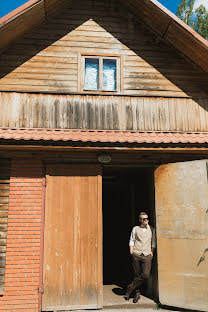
x=157, y=59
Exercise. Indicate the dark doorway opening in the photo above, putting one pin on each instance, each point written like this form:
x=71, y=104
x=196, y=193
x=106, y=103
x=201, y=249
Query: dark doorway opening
x=126, y=192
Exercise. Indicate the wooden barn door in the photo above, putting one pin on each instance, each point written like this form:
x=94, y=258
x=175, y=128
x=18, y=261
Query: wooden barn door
x=182, y=234
x=72, y=269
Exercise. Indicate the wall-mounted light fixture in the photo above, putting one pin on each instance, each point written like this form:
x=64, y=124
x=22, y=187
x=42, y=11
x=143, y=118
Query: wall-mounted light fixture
x=104, y=158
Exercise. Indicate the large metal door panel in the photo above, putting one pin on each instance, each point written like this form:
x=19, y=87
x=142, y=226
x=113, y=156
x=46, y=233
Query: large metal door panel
x=72, y=269
x=181, y=199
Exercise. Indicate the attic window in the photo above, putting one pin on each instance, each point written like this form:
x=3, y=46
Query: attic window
x=101, y=73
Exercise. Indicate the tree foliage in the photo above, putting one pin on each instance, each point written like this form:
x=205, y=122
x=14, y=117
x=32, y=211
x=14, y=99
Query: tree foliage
x=200, y=24
x=197, y=19
x=185, y=11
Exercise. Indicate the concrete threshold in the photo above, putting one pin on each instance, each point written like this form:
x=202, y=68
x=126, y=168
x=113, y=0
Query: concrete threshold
x=113, y=299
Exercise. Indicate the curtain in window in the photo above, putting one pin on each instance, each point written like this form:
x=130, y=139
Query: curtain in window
x=109, y=75
x=91, y=74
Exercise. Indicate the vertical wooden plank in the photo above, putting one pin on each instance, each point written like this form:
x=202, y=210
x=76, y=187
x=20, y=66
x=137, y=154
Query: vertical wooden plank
x=204, y=103
x=172, y=114
x=73, y=238
x=100, y=241
x=202, y=115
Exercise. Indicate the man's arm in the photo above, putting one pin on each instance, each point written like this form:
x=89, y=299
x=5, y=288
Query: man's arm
x=153, y=241
x=131, y=241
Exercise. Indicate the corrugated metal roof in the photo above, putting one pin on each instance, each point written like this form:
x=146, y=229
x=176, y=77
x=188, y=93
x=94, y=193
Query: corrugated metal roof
x=104, y=136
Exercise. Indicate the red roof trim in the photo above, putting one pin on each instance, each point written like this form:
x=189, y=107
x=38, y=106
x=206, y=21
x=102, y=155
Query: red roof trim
x=18, y=10
x=104, y=136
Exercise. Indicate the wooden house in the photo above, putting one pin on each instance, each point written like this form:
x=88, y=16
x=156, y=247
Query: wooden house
x=103, y=114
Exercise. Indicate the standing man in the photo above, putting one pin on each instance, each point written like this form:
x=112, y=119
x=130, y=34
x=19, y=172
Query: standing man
x=142, y=244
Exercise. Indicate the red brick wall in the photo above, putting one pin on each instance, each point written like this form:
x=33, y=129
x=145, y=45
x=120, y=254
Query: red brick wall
x=23, y=237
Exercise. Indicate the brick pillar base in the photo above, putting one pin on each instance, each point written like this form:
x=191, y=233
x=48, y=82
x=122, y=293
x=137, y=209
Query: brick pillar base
x=23, y=237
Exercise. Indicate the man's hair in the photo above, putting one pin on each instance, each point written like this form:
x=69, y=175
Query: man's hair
x=142, y=214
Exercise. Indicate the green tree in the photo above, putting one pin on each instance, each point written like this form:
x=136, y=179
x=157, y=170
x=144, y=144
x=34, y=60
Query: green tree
x=200, y=23
x=197, y=19
x=185, y=11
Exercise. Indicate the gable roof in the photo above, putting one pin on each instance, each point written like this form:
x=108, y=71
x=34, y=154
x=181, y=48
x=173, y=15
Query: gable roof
x=159, y=19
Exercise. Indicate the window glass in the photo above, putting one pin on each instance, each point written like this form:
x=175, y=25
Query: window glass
x=109, y=75
x=91, y=74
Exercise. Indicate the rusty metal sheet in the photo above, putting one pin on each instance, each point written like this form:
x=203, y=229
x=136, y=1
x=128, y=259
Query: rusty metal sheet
x=181, y=198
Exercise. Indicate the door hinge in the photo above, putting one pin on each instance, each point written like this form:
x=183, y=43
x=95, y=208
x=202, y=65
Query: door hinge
x=41, y=289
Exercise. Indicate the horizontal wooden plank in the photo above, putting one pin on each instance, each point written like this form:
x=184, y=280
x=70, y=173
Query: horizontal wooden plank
x=38, y=88
x=2, y=249
x=3, y=235
x=5, y=186
x=3, y=227
x=3, y=207
x=2, y=257
x=67, y=76
x=4, y=200
x=37, y=82
x=3, y=213
x=10, y=59
x=2, y=272
x=58, y=69
x=3, y=221
x=2, y=268
x=4, y=193
x=2, y=242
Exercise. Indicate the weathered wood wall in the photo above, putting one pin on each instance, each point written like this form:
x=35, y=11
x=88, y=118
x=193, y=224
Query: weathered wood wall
x=4, y=202
x=73, y=278
x=102, y=112
x=47, y=58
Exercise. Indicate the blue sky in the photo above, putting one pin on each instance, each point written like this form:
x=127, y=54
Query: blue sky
x=171, y=5
x=7, y=6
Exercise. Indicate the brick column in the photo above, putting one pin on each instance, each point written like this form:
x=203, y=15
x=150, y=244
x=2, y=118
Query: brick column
x=23, y=237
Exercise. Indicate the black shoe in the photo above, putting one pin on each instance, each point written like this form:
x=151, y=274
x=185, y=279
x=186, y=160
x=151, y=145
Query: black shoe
x=136, y=297
x=129, y=291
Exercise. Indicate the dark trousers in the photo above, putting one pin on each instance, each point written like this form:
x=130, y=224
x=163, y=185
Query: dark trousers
x=141, y=269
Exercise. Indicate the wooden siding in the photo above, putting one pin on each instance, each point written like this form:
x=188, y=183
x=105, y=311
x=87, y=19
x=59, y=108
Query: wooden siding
x=172, y=29
x=4, y=202
x=102, y=112
x=18, y=26
x=26, y=18
x=47, y=58
x=72, y=275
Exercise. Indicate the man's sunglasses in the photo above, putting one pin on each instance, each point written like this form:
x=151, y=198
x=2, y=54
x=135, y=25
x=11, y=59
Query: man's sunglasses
x=145, y=219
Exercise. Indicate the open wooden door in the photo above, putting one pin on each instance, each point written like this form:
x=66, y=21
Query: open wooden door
x=72, y=269
x=182, y=234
